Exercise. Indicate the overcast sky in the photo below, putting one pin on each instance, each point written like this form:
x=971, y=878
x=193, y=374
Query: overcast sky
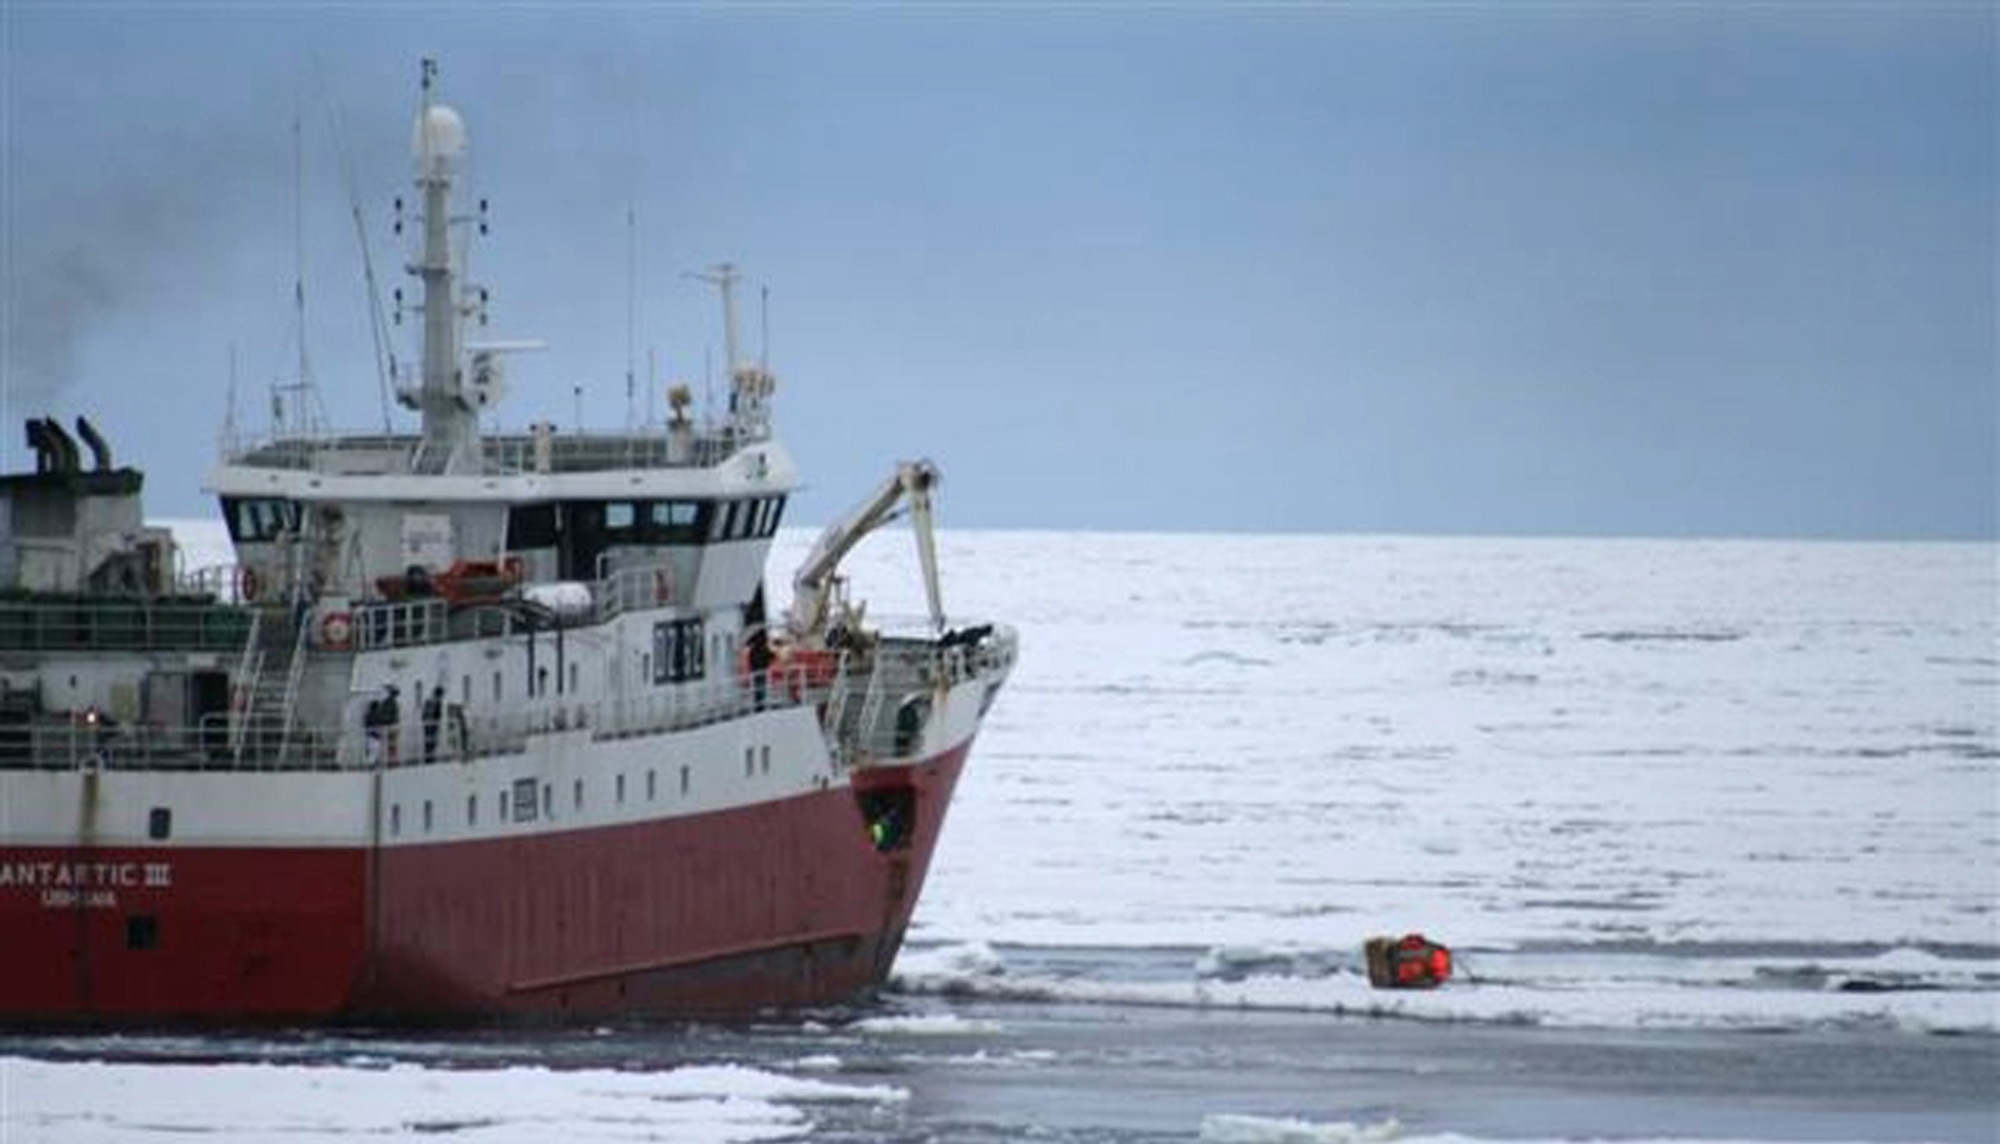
x=1464, y=268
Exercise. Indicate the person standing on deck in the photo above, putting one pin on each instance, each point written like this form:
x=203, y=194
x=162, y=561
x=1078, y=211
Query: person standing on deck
x=433, y=715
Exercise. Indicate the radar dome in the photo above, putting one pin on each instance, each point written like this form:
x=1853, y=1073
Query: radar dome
x=438, y=138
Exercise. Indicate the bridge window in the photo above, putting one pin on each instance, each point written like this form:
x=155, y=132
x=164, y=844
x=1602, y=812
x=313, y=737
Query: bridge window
x=770, y=510
x=531, y=526
x=747, y=519
x=672, y=514
x=255, y=520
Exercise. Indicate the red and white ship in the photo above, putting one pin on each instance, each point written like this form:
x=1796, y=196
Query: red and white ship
x=478, y=726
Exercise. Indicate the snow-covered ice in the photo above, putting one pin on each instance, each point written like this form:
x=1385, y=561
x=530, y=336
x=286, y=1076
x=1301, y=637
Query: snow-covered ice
x=96, y=1101
x=925, y=1025
x=1634, y=782
x=1233, y=1128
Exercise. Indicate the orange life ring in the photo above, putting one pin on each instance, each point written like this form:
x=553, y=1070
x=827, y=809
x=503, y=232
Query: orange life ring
x=336, y=631
x=248, y=587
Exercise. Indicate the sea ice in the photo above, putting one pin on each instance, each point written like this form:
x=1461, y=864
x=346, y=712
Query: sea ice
x=1230, y=1128
x=95, y=1101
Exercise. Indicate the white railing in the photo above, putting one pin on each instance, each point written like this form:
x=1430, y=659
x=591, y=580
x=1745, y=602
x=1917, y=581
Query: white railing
x=633, y=588
x=897, y=671
x=652, y=448
x=219, y=742
x=383, y=625
x=223, y=582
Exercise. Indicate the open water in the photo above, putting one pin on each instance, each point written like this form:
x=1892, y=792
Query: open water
x=1713, y=826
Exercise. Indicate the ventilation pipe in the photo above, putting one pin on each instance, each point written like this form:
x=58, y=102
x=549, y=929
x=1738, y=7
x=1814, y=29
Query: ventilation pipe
x=38, y=439
x=63, y=445
x=100, y=452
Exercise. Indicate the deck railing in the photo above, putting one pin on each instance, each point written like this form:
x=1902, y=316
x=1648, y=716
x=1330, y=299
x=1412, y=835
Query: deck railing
x=861, y=701
x=84, y=743
x=571, y=452
x=120, y=625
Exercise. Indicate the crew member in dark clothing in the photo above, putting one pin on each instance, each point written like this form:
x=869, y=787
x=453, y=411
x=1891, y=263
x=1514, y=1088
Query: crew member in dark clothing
x=433, y=714
x=759, y=652
x=381, y=718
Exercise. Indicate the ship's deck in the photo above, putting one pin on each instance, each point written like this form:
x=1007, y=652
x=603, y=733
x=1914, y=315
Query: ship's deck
x=860, y=698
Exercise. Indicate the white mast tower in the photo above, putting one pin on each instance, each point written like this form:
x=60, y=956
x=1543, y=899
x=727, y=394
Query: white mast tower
x=450, y=410
x=750, y=386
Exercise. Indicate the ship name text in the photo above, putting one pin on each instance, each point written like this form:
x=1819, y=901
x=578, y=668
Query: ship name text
x=89, y=884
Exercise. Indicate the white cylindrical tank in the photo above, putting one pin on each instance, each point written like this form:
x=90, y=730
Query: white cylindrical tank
x=570, y=599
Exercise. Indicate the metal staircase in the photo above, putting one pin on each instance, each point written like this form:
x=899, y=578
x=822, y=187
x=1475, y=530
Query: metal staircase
x=267, y=712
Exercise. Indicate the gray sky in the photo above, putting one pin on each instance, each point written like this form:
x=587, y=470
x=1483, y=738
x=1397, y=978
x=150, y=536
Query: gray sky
x=1568, y=269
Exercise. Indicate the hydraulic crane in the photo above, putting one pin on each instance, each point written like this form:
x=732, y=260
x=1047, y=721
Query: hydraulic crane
x=819, y=600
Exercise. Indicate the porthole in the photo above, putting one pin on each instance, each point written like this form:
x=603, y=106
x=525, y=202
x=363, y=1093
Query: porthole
x=142, y=931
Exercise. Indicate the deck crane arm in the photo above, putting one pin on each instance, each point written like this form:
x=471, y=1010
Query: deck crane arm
x=813, y=585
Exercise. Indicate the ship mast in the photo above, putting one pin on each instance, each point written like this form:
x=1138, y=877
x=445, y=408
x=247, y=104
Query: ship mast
x=451, y=422
x=750, y=386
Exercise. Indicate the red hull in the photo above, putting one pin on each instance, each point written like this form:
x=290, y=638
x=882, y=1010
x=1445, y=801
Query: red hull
x=777, y=905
